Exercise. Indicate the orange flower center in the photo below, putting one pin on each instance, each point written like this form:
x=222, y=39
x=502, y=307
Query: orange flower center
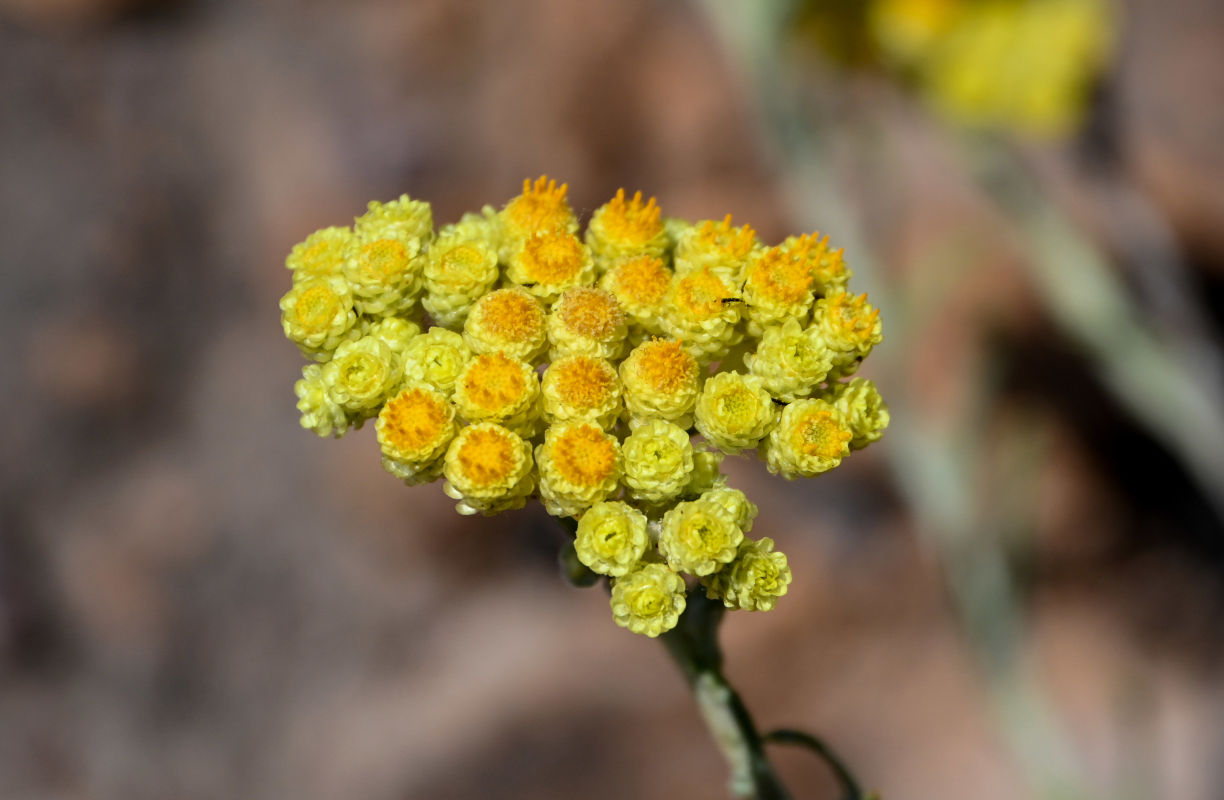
x=584, y=455
x=414, y=420
x=582, y=382
x=590, y=312
x=487, y=456
x=494, y=381
x=511, y=315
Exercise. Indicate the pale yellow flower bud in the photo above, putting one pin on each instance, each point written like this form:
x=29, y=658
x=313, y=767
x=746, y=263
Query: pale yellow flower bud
x=385, y=274
x=658, y=461
x=437, y=358
x=863, y=409
x=319, y=413
x=611, y=538
x=790, y=360
x=361, y=375
x=754, y=580
x=699, y=536
x=321, y=255
x=404, y=220
x=742, y=510
x=317, y=315
x=458, y=270
x=648, y=600
x=734, y=412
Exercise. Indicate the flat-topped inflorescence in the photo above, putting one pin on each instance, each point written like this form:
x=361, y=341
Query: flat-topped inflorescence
x=607, y=375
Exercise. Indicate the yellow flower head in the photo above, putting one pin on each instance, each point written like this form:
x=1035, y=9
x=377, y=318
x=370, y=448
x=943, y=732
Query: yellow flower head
x=717, y=245
x=640, y=287
x=648, y=600
x=830, y=274
x=622, y=228
x=790, y=360
x=587, y=321
x=458, y=270
x=658, y=461
x=321, y=255
x=494, y=387
x=811, y=438
x=361, y=375
x=550, y=262
x=661, y=381
x=581, y=389
x=385, y=275
x=754, y=580
x=699, y=536
x=436, y=358
x=863, y=409
x=850, y=327
x=487, y=469
x=611, y=538
x=702, y=310
x=413, y=429
x=317, y=315
x=508, y=320
x=404, y=220
x=742, y=510
x=734, y=411
x=541, y=207
x=777, y=287
x=580, y=465
x=319, y=413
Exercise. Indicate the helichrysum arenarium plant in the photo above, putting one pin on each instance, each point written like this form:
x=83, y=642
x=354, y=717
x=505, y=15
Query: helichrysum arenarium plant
x=606, y=374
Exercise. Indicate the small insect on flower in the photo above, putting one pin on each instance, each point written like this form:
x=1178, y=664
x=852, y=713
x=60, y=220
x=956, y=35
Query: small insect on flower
x=718, y=246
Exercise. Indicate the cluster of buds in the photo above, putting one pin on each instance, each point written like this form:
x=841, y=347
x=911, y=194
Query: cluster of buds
x=608, y=375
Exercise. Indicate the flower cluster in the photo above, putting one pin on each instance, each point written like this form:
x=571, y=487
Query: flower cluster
x=606, y=374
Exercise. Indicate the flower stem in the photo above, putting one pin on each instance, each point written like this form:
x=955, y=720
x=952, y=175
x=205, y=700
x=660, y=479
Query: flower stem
x=693, y=644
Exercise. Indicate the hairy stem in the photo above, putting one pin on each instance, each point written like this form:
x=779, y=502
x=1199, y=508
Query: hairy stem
x=693, y=644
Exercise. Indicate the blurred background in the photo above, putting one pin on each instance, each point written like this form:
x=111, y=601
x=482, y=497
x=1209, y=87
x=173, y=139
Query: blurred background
x=1018, y=593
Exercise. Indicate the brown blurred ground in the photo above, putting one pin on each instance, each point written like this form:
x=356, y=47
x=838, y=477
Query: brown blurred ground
x=200, y=600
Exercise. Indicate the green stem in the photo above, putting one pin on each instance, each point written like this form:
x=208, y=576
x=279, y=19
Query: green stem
x=849, y=785
x=693, y=644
